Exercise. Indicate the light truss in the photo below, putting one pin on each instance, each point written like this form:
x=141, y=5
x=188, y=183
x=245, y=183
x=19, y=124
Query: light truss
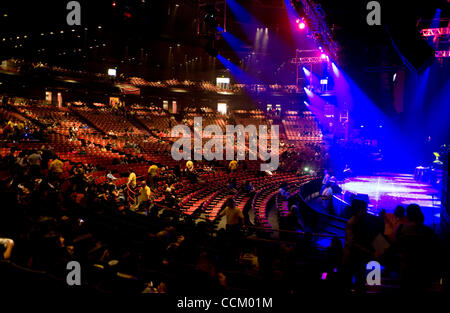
x=435, y=32
x=306, y=60
x=442, y=54
x=318, y=26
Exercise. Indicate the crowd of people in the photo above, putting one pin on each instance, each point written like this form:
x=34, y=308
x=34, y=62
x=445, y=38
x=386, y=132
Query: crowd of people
x=53, y=215
x=49, y=220
x=408, y=249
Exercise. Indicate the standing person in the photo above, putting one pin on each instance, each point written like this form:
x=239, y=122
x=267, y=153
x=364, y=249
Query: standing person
x=56, y=168
x=291, y=222
x=325, y=180
x=232, y=166
x=144, y=196
x=357, y=248
x=190, y=172
x=248, y=189
x=132, y=179
x=34, y=159
x=152, y=176
x=131, y=186
x=327, y=198
x=418, y=247
x=392, y=221
x=234, y=216
x=233, y=185
x=283, y=191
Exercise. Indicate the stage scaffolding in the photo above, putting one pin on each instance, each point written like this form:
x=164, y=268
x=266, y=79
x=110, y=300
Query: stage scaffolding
x=305, y=58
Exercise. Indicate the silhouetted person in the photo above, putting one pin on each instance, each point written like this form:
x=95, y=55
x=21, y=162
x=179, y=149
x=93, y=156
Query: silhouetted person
x=418, y=246
x=357, y=249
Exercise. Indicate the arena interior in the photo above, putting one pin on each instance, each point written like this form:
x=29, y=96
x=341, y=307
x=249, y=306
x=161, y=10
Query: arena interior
x=224, y=148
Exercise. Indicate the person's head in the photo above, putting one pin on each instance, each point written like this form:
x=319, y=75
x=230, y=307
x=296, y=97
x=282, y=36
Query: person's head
x=414, y=214
x=399, y=211
x=358, y=207
x=131, y=170
x=336, y=242
x=206, y=263
x=230, y=203
x=294, y=210
x=308, y=237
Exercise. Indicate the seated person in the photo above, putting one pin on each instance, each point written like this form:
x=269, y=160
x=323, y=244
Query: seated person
x=6, y=246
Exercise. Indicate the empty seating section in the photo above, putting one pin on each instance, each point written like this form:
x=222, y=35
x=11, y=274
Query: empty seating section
x=11, y=116
x=208, y=118
x=154, y=120
x=301, y=127
x=250, y=117
x=109, y=122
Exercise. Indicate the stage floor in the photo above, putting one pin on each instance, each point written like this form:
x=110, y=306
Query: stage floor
x=387, y=190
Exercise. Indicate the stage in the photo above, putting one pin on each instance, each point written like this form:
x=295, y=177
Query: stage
x=387, y=190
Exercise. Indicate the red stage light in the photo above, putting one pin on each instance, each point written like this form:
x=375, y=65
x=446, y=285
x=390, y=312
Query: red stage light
x=302, y=25
x=297, y=21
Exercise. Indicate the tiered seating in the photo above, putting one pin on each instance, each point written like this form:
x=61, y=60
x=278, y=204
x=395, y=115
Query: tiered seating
x=67, y=148
x=12, y=116
x=216, y=201
x=208, y=118
x=206, y=198
x=250, y=117
x=61, y=119
x=282, y=204
x=302, y=127
x=264, y=193
x=158, y=120
x=109, y=122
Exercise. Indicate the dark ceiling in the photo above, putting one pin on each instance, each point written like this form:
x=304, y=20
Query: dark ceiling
x=158, y=39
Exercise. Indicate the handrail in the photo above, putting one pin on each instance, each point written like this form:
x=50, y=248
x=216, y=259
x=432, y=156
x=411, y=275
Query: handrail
x=292, y=231
x=131, y=194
